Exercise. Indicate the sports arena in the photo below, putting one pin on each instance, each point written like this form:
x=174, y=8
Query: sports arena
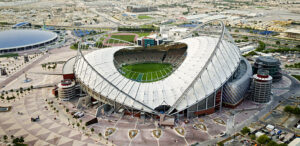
x=24, y=39
x=193, y=76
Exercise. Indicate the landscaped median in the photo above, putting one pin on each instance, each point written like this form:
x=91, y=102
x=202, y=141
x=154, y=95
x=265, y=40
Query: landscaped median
x=109, y=131
x=180, y=131
x=297, y=77
x=133, y=133
x=157, y=133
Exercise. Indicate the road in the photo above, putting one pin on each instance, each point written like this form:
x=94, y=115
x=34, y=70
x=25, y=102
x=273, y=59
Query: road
x=107, y=17
x=290, y=42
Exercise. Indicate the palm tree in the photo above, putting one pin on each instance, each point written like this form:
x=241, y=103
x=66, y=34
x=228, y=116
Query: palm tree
x=5, y=137
x=92, y=130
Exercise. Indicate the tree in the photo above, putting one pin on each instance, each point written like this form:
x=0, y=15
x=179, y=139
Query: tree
x=22, y=139
x=252, y=136
x=5, y=137
x=272, y=143
x=99, y=134
x=220, y=144
x=263, y=139
x=261, y=46
x=67, y=110
x=296, y=111
x=290, y=109
x=245, y=130
x=92, y=130
x=16, y=141
x=277, y=42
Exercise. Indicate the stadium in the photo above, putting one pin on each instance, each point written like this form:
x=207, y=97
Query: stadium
x=24, y=39
x=186, y=78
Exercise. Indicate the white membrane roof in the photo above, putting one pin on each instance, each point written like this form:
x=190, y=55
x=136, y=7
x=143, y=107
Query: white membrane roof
x=148, y=96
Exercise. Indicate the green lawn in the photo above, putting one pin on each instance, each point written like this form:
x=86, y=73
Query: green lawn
x=297, y=77
x=142, y=34
x=144, y=17
x=146, y=72
x=9, y=55
x=128, y=38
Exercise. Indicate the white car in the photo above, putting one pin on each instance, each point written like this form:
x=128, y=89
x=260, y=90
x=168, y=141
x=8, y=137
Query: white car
x=65, y=99
x=222, y=134
x=81, y=114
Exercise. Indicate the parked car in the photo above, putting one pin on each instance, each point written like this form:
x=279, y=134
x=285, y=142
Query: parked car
x=222, y=134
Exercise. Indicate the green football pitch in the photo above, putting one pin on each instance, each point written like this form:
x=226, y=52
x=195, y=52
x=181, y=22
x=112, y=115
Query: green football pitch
x=128, y=38
x=147, y=72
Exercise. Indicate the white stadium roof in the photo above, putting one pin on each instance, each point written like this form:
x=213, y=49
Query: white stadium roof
x=147, y=96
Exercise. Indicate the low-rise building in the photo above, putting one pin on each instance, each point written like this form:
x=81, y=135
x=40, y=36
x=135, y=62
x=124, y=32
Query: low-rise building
x=293, y=33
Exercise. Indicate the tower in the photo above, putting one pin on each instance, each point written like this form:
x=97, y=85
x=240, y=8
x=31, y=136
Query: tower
x=261, y=86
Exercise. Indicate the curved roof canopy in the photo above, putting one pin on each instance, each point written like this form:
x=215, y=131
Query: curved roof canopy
x=11, y=39
x=211, y=59
x=97, y=71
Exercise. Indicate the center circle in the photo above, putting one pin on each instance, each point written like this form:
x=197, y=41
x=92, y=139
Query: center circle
x=146, y=72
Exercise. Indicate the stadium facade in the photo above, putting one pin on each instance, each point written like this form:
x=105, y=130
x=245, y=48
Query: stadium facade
x=212, y=73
